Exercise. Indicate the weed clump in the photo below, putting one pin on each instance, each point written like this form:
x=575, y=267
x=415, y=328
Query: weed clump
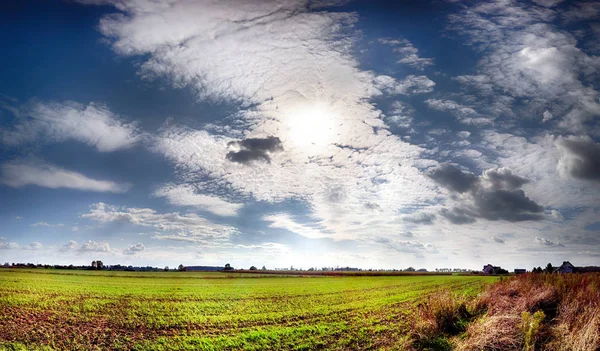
x=530, y=327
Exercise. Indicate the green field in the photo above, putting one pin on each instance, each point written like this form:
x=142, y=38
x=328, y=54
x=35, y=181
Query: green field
x=86, y=310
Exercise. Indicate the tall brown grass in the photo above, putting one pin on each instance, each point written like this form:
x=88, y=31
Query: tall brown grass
x=567, y=307
x=441, y=315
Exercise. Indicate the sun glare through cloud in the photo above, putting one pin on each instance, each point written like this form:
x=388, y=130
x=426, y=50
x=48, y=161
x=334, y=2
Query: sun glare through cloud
x=310, y=125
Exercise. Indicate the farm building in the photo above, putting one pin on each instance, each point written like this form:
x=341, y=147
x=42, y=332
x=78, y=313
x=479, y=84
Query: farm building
x=520, y=271
x=565, y=267
x=489, y=269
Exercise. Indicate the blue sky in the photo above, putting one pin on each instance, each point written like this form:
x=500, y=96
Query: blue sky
x=306, y=133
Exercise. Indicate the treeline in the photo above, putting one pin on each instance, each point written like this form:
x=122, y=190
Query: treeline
x=115, y=267
x=46, y=266
x=99, y=265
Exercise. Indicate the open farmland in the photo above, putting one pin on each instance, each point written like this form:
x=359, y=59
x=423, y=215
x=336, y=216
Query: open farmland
x=84, y=310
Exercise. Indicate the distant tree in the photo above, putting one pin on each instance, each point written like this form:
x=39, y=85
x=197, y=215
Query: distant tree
x=253, y=268
x=549, y=268
x=228, y=267
x=99, y=265
x=166, y=269
x=409, y=269
x=264, y=268
x=94, y=264
x=181, y=268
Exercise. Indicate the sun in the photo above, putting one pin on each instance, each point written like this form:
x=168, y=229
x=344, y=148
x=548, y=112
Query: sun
x=310, y=125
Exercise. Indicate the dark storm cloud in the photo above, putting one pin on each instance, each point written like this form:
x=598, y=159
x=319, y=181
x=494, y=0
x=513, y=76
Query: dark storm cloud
x=512, y=206
x=453, y=178
x=254, y=149
x=581, y=159
x=502, y=178
x=495, y=195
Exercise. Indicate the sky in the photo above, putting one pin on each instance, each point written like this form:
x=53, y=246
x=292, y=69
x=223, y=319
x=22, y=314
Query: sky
x=371, y=134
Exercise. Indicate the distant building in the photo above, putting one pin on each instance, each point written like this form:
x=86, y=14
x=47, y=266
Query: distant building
x=565, y=267
x=520, y=271
x=489, y=269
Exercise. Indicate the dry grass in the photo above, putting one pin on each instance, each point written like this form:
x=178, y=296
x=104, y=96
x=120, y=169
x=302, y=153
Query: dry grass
x=570, y=320
x=441, y=315
x=577, y=325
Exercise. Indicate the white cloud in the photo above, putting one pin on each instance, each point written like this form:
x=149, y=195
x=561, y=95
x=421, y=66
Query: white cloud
x=463, y=114
x=537, y=159
x=70, y=245
x=400, y=115
x=133, y=249
x=557, y=215
x=548, y=3
x=187, y=195
x=292, y=70
x=420, y=218
x=407, y=246
x=33, y=246
x=19, y=174
x=94, y=246
x=187, y=227
x=583, y=10
x=93, y=124
x=463, y=134
x=547, y=242
x=46, y=224
x=75, y=229
x=498, y=240
x=408, y=53
x=527, y=57
x=284, y=221
x=8, y=245
x=296, y=70
x=410, y=85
